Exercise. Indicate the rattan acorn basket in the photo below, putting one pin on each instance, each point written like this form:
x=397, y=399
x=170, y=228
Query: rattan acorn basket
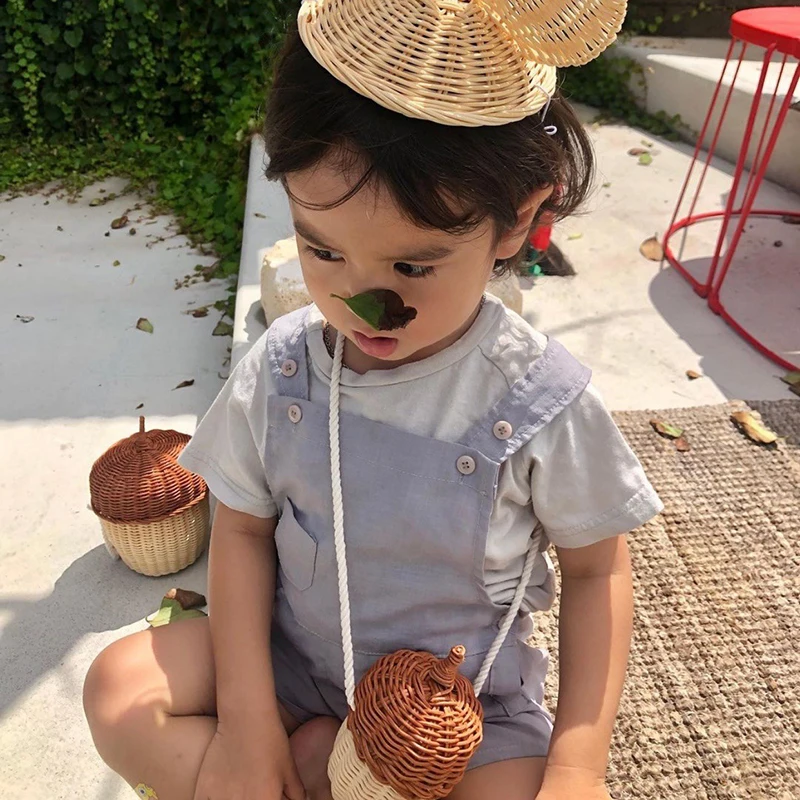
x=154, y=513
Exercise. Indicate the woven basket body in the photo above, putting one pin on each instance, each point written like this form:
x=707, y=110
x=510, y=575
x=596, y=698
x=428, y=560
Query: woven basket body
x=414, y=728
x=152, y=511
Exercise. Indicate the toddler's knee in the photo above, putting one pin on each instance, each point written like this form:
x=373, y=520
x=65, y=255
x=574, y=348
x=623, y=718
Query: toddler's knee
x=110, y=690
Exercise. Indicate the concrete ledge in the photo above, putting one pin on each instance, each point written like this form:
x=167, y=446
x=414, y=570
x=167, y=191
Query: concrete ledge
x=266, y=221
x=681, y=75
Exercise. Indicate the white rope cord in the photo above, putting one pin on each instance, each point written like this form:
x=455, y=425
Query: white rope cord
x=341, y=552
x=338, y=524
x=508, y=620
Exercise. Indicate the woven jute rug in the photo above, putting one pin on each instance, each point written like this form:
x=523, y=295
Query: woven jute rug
x=712, y=702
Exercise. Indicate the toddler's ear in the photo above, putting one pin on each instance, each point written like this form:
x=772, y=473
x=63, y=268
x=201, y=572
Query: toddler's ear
x=511, y=242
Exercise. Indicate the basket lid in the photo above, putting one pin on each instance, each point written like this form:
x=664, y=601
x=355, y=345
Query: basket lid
x=417, y=722
x=139, y=478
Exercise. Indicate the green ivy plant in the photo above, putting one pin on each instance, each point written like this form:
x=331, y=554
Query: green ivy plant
x=166, y=94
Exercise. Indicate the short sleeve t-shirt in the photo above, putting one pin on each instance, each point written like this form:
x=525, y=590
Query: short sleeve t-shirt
x=574, y=483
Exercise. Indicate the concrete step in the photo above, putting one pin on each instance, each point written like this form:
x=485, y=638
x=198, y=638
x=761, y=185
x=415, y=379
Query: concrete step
x=680, y=77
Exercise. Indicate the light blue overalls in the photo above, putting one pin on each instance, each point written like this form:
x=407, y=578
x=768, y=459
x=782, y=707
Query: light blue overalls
x=417, y=514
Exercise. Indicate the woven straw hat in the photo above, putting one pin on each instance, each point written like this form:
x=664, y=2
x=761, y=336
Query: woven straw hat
x=457, y=62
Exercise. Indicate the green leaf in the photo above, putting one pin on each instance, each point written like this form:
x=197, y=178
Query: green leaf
x=47, y=34
x=73, y=37
x=666, y=429
x=172, y=611
x=366, y=306
x=792, y=378
x=223, y=329
x=144, y=325
x=645, y=159
x=65, y=71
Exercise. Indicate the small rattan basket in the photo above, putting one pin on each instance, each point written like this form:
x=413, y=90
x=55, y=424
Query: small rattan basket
x=415, y=726
x=154, y=513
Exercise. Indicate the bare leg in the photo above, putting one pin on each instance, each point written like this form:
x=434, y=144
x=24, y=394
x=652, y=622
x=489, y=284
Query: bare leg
x=150, y=701
x=312, y=745
x=518, y=779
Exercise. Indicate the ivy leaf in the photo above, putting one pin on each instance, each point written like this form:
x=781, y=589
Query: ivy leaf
x=144, y=325
x=222, y=329
x=47, y=34
x=381, y=309
x=73, y=37
x=667, y=430
x=65, y=71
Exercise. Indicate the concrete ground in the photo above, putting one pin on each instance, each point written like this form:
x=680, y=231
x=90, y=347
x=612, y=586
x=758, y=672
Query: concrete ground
x=72, y=379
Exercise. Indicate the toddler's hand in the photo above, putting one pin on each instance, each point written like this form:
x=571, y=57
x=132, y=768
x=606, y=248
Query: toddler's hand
x=567, y=783
x=249, y=767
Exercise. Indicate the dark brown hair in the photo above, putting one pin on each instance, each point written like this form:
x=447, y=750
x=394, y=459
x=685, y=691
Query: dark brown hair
x=489, y=171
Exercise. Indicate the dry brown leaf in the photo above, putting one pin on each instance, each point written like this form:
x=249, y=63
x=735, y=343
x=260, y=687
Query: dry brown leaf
x=184, y=384
x=132, y=232
x=651, y=248
x=636, y=151
x=682, y=444
x=200, y=312
x=666, y=429
x=692, y=375
x=141, y=405
x=119, y=222
x=186, y=598
x=754, y=427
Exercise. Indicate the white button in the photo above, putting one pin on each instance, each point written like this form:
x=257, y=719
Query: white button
x=295, y=414
x=466, y=465
x=502, y=430
x=289, y=368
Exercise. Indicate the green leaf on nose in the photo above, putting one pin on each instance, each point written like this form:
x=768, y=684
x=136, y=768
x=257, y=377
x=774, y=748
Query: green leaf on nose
x=381, y=309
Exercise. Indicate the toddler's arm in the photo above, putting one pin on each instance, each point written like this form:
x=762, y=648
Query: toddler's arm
x=595, y=626
x=242, y=565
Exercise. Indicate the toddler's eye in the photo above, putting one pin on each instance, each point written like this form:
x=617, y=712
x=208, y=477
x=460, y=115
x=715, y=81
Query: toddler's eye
x=410, y=271
x=324, y=255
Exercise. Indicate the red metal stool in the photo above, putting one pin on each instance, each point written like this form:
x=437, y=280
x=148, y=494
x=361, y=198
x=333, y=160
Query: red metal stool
x=777, y=31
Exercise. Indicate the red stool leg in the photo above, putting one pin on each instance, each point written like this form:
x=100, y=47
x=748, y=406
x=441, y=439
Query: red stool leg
x=758, y=169
x=702, y=288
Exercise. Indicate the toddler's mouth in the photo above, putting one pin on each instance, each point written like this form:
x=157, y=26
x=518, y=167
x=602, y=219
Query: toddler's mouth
x=377, y=346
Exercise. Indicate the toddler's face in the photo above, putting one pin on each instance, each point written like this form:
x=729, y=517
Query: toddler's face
x=366, y=243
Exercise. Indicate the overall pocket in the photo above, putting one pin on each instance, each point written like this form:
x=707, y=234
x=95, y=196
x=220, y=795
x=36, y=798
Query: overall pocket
x=297, y=550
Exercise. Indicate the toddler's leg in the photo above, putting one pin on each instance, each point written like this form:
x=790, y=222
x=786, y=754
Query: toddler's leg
x=150, y=701
x=517, y=779
x=312, y=745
